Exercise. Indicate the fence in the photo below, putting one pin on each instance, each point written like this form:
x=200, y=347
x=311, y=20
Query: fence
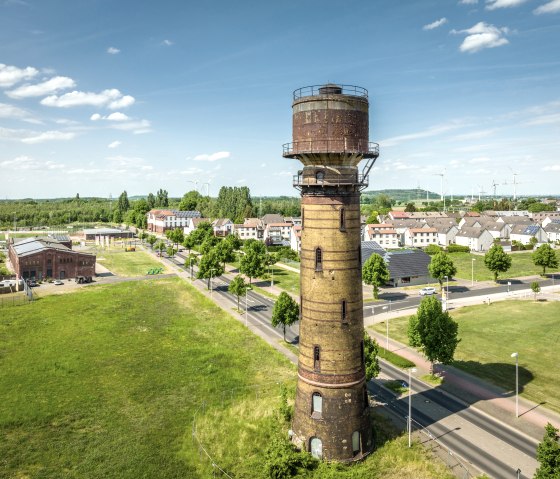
x=14, y=300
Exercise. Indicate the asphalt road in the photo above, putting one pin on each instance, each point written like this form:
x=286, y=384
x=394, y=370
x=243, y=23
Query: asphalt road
x=492, y=447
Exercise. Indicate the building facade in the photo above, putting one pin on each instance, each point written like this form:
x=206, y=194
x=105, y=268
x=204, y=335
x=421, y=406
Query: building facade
x=159, y=221
x=330, y=138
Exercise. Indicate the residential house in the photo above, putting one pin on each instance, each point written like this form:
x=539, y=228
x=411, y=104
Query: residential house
x=446, y=234
x=476, y=238
x=277, y=234
x=383, y=234
x=192, y=224
x=159, y=221
x=252, y=228
x=550, y=218
x=420, y=237
x=524, y=234
x=222, y=227
x=552, y=231
x=498, y=229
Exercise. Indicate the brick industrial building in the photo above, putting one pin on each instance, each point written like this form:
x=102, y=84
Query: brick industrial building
x=45, y=257
x=330, y=138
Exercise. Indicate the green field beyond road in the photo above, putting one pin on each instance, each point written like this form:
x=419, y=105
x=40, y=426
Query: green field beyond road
x=489, y=334
x=521, y=265
x=131, y=263
x=106, y=382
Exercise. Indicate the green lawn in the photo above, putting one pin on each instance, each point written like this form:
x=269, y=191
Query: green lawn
x=109, y=381
x=132, y=263
x=489, y=334
x=522, y=265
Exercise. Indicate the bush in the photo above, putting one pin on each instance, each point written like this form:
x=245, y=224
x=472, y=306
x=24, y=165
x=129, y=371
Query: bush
x=455, y=248
x=284, y=461
x=432, y=249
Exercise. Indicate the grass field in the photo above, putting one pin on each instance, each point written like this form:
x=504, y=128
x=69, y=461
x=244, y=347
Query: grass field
x=490, y=334
x=521, y=265
x=106, y=382
x=130, y=263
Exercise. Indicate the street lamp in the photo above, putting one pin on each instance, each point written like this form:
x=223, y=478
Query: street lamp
x=516, y=356
x=472, y=271
x=410, y=370
x=191, y=263
x=246, y=307
x=509, y=284
x=272, y=278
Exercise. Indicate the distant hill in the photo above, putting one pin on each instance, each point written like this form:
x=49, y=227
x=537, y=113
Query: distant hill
x=405, y=195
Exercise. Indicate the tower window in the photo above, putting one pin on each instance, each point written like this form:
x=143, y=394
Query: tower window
x=318, y=259
x=342, y=218
x=316, y=405
x=302, y=217
x=320, y=176
x=344, y=312
x=356, y=443
x=317, y=358
x=362, y=351
x=316, y=447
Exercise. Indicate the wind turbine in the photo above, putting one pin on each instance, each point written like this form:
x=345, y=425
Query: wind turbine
x=515, y=183
x=494, y=184
x=480, y=191
x=442, y=175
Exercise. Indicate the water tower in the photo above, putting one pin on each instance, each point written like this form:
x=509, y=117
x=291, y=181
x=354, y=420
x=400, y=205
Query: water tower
x=330, y=138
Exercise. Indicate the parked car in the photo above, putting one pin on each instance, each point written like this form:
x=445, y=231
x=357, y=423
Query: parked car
x=58, y=282
x=32, y=283
x=427, y=291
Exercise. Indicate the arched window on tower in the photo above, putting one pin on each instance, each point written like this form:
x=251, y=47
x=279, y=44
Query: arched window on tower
x=344, y=312
x=318, y=259
x=342, y=218
x=317, y=358
x=316, y=405
x=320, y=176
x=316, y=447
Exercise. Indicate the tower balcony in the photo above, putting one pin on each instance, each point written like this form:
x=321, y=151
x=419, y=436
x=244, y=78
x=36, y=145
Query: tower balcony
x=339, y=146
x=302, y=179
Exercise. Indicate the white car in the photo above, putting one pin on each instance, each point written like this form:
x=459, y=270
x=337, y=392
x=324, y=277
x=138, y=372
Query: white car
x=427, y=291
x=58, y=282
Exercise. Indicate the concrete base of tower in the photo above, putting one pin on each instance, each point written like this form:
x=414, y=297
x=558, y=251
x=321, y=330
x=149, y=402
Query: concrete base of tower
x=333, y=424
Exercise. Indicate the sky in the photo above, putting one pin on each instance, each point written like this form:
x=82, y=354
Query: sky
x=103, y=96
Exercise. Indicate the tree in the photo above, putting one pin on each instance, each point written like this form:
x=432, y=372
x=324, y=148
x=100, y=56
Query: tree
x=375, y=273
x=442, y=266
x=210, y=266
x=188, y=242
x=497, y=261
x=160, y=246
x=372, y=217
x=161, y=200
x=536, y=288
x=436, y=330
x=371, y=350
x=203, y=230
x=410, y=208
x=548, y=454
x=176, y=236
x=545, y=257
x=151, y=239
x=208, y=243
x=238, y=287
x=170, y=251
x=190, y=200
x=151, y=201
x=234, y=241
x=285, y=312
x=253, y=262
x=225, y=252
x=123, y=204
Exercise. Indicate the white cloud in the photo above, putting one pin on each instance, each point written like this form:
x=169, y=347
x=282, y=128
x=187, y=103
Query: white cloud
x=113, y=50
x=482, y=35
x=114, y=144
x=432, y=131
x=552, y=168
x=28, y=163
x=437, y=23
x=551, y=7
x=10, y=75
x=48, y=136
x=10, y=111
x=40, y=89
x=493, y=4
x=167, y=43
x=480, y=159
x=545, y=119
x=137, y=127
x=219, y=155
x=112, y=98
x=117, y=116
x=468, y=2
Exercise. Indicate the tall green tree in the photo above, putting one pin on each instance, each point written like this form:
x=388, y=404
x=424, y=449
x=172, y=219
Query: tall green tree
x=162, y=199
x=497, y=261
x=371, y=350
x=151, y=201
x=536, y=288
x=225, y=252
x=545, y=257
x=209, y=243
x=203, y=230
x=410, y=208
x=151, y=239
x=123, y=204
x=176, y=236
x=238, y=287
x=160, y=246
x=190, y=200
x=548, y=454
x=375, y=273
x=210, y=266
x=253, y=262
x=441, y=266
x=436, y=331
x=285, y=312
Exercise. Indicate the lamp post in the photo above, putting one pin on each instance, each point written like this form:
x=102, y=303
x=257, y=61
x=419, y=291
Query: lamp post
x=410, y=370
x=272, y=277
x=246, y=307
x=516, y=356
x=472, y=271
x=191, y=262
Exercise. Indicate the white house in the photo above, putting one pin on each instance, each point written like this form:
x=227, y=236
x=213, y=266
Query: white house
x=552, y=230
x=524, y=233
x=160, y=221
x=277, y=233
x=222, y=226
x=446, y=234
x=498, y=229
x=420, y=237
x=383, y=234
x=252, y=228
x=295, y=238
x=477, y=239
x=192, y=224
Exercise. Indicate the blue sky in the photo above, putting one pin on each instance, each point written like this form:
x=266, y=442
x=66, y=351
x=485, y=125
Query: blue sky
x=103, y=96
